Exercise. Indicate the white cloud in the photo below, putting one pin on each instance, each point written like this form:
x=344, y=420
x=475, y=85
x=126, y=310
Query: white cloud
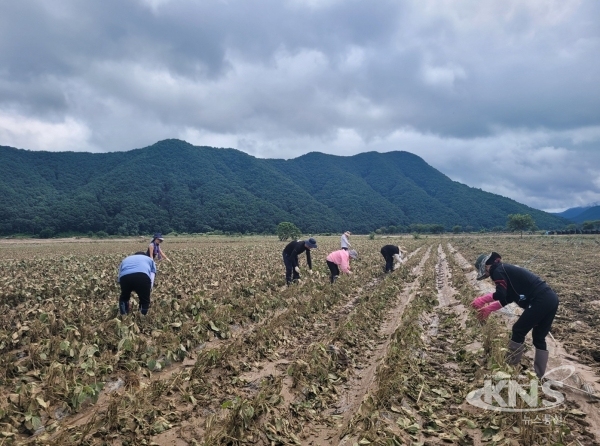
x=210, y=139
x=443, y=76
x=353, y=59
x=155, y=5
x=313, y=4
x=585, y=135
x=28, y=132
x=496, y=14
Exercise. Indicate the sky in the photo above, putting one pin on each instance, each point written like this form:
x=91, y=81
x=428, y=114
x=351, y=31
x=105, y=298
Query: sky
x=502, y=95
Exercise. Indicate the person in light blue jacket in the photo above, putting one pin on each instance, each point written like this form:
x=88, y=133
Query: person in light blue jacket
x=136, y=273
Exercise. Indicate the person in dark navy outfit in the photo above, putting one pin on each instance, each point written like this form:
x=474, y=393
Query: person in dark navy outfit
x=393, y=253
x=528, y=291
x=290, y=258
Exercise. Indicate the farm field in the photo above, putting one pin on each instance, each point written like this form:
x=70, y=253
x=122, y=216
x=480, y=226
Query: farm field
x=229, y=355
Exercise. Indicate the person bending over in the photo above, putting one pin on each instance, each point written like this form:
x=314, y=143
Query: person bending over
x=391, y=254
x=528, y=291
x=136, y=273
x=290, y=258
x=340, y=261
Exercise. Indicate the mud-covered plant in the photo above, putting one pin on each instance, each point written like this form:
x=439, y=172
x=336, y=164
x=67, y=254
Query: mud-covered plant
x=243, y=413
x=85, y=393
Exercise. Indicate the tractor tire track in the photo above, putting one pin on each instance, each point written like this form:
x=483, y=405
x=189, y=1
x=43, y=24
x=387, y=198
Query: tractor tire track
x=446, y=291
x=362, y=381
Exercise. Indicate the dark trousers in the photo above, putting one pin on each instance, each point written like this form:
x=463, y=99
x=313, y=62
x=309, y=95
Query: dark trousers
x=335, y=271
x=389, y=261
x=290, y=272
x=538, y=317
x=141, y=284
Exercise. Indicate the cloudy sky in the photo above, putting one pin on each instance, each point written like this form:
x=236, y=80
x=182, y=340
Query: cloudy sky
x=503, y=95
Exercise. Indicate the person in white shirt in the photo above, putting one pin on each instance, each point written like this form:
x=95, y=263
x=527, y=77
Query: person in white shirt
x=345, y=242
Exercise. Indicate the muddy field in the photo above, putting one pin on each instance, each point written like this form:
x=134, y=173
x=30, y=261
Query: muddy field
x=229, y=355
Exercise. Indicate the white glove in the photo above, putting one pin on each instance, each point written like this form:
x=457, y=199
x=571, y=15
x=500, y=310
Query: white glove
x=397, y=258
x=297, y=269
x=310, y=271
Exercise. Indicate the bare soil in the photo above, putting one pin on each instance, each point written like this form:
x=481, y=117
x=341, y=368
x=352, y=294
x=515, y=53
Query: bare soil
x=242, y=359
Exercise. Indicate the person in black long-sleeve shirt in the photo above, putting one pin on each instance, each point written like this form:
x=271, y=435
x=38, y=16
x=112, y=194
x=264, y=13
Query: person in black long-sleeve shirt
x=391, y=253
x=290, y=257
x=528, y=291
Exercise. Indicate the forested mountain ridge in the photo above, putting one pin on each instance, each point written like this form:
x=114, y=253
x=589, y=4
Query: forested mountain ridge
x=581, y=214
x=173, y=185
x=590, y=214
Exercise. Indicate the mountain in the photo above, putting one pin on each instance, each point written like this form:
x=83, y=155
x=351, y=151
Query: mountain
x=572, y=213
x=173, y=185
x=589, y=214
x=582, y=213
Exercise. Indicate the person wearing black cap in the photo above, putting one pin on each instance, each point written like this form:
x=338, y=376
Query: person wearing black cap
x=528, y=291
x=290, y=258
x=154, y=251
x=391, y=253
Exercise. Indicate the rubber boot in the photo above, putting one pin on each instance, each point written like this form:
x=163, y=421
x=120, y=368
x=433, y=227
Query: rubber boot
x=540, y=361
x=515, y=351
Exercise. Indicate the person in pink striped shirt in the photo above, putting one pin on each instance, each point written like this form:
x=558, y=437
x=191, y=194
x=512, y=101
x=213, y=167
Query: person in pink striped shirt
x=340, y=260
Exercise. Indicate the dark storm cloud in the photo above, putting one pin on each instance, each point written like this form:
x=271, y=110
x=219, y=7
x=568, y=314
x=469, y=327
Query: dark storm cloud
x=466, y=85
